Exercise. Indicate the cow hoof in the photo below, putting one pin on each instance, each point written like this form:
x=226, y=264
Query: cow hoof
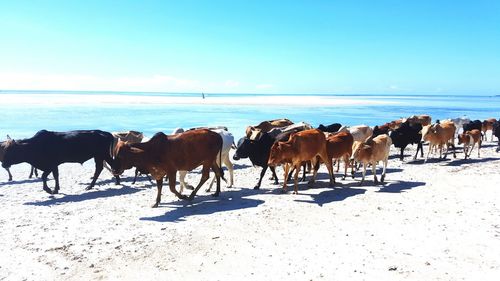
x=276, y=183
x=190, y=198
x=190, y=187
x=343, y=178
x=256, y=187
x=295, y=192
x=207, y=190
x=10, y=179
x=155, y=205
x=88, y=188
x=48, y=190
x=56, y=191
x=215, y=194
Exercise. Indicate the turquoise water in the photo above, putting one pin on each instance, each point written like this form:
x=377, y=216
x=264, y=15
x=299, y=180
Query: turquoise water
x=20, y=120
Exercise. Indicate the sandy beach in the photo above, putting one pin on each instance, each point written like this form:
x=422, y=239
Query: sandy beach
x=433, y=221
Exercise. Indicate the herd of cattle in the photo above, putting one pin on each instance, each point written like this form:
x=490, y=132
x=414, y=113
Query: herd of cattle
x=271, y=143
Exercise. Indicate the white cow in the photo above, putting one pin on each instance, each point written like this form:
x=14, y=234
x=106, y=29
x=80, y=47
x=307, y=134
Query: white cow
x=227, y=143
x=459, y=123
x=359, y=133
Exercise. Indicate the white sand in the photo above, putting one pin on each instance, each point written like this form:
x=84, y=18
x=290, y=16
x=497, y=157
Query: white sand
x=434, y=221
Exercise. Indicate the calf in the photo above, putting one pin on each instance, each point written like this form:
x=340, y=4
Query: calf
x=487, y=125
x=407, y=134
x=371, y=152
x=339, y=146
x=47, y=150
x=469, y=139
x=439, y=135
x=302, y=146
x=165, y=155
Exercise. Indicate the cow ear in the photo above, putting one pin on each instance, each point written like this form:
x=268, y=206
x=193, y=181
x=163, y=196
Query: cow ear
x=8, y=137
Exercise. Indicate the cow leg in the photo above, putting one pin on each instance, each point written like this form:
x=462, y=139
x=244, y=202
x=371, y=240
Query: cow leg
x=55, y=173
x=363, y=174
x=108, y=160
x=402, y=157
x=136, y=175
x=346, y=164
x=273, y=170
x=171, y=185
x=205, y=174
x=44, y=179
x=329, y=166
x=383, y=170
x=31, y=172
x=304, y=172
x=428, y=152
x=421, y=150
x=159, y=186
x=287, y=168
x=472, y=148
x=262, y=173
x=296, y=178
x=315, y=164
x=453, y=147
x=10, y=175
x=217, y=172
x=374, y=171
x=479, y=149
x=338, y=165
x=98, y=169
x=182, y=182
x=230, y=168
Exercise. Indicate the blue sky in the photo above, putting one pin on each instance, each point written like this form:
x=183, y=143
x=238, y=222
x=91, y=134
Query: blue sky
x=252, y=46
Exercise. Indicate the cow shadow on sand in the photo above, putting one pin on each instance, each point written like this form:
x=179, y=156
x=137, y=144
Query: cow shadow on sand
x=85, y=195
x=32, y=180
x=461, y=161
x=207, y=204
x=343, y=191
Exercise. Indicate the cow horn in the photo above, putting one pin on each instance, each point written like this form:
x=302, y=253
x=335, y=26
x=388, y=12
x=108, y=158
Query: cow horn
x=9, y=138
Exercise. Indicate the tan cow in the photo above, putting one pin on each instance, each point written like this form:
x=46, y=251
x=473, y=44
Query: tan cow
x=469, y=139
x=487, y=125
x=253, y=132
x=371, y=152
x=439, y=135
x=302, y=146
x=424, y=119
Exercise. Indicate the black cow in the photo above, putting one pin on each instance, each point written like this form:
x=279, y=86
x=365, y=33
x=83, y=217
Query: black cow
x=332, y=128
x=496, y=132
x=258, y=151
x=476, y=124
x=405, y=135
x=47, y=150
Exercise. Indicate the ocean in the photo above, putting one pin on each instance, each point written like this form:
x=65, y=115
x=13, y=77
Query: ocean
x=23, y=113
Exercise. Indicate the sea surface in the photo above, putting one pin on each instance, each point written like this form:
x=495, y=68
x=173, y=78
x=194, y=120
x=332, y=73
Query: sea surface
x=22, y=120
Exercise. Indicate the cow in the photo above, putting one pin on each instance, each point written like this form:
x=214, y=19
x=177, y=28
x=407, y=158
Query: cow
x=227, y=143
x=3, y=144
x=257, y=150
x=439, y=135
x=360, y=133
x=130, y=137
x=381, y=130
x=469, y=139
x=280, y=132
x=301, y=146
x=372, y=151
x=164, y=155
x=407, y=134
x=332, y=128
x=496, y=132
x=423, y=120
x=487, y=125
x=46, y=150
x=459, y=122
x=253, y=132
x=339, y=146
x=473, y=125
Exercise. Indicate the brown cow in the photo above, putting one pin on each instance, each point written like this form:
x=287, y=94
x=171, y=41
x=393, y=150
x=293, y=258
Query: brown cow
x=253, y=132
x=487, y=125
x=470, y=138
x=165, y=155
x=339, y=146
x=302, y=146
x=424, y=119
x=393, y=125
x=439, y=135
x=371, y=152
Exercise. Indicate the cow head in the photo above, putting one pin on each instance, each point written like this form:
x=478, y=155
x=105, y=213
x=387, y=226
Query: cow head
x=11, y=153
x=244, y=148
x=125, y=156
x=428, y=131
